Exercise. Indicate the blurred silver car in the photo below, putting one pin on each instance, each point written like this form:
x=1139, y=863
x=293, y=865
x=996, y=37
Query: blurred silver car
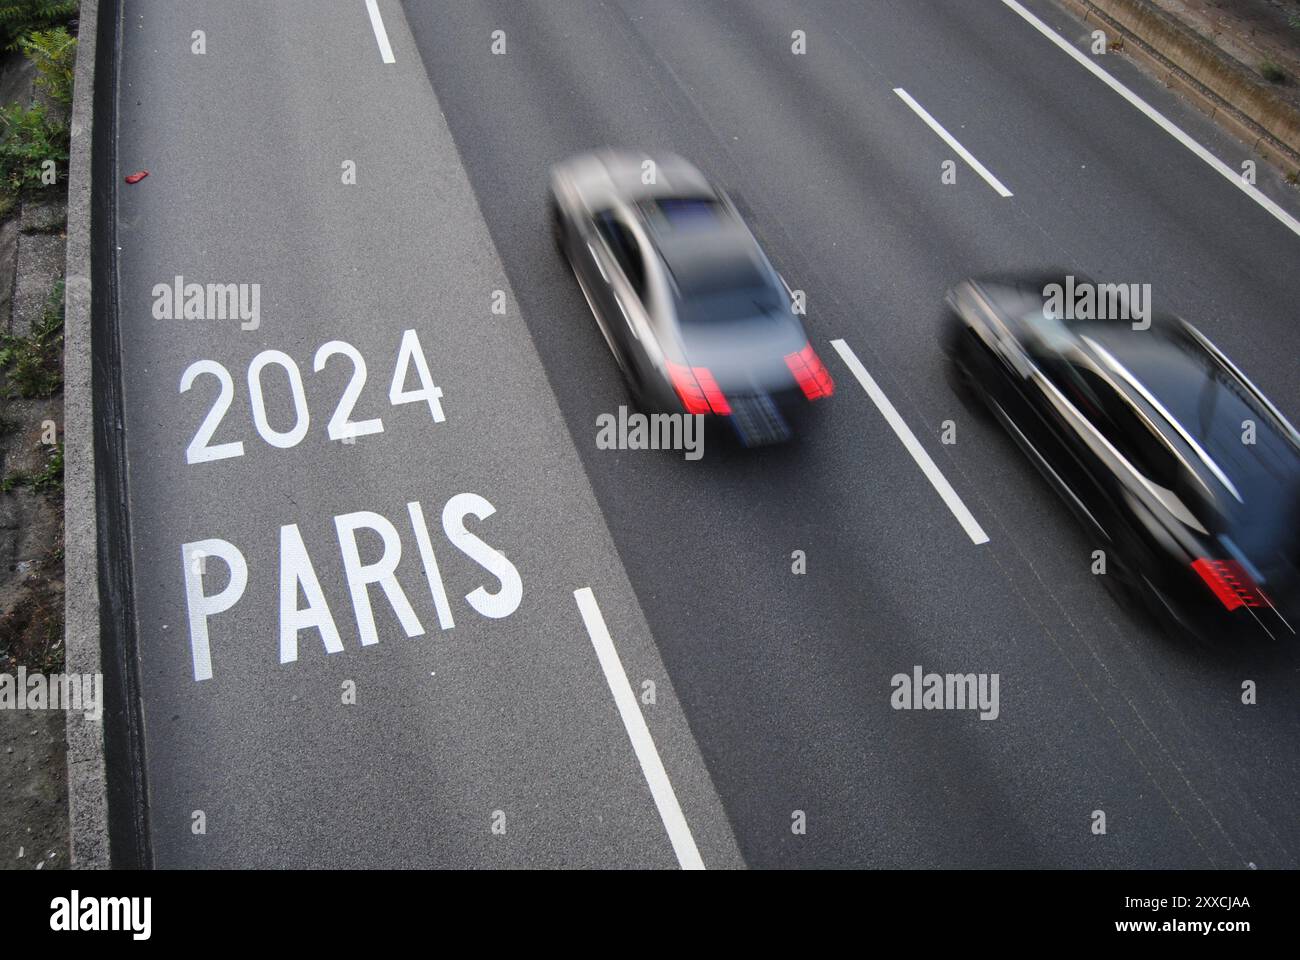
x=694, y=313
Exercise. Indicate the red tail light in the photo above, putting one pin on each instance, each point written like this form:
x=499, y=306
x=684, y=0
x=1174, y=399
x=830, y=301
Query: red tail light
x=712, y=393
x=1229, y=582
x=813, y=377
x=698, y=390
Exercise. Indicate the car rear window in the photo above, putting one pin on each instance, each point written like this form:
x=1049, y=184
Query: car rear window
x=1220, y=414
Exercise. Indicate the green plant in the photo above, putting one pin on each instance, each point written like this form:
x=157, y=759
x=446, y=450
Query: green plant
x=55, y=54
x=49, y=480
x=1271, y=72
x=33, y=363
x=20, y=17
x=28, y=138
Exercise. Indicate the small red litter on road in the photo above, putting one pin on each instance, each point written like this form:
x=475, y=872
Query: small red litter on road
x=137, y=177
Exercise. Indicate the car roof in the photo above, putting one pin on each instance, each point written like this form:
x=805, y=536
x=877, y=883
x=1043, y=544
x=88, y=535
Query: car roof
x=714, y=243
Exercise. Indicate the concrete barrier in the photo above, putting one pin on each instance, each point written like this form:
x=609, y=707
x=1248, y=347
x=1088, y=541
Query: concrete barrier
x=87, y=790
x=1184, y=60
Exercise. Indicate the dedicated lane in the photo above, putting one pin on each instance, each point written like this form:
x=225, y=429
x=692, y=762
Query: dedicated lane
x=444, y=700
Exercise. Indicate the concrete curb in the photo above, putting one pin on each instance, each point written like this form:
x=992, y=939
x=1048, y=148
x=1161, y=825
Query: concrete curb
x=87, y=783
x=1188, y=63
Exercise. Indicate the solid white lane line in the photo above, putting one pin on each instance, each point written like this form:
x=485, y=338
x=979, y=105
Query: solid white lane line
x=670, y=811
x=892, y=417
x=949, y=139
x=1158, y=118
x=381, y=35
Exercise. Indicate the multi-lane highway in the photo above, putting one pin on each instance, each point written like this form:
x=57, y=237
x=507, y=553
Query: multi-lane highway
x=654, y=661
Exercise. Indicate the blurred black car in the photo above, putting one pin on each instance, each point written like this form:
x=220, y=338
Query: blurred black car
x=1158, y=443
x=695, y=315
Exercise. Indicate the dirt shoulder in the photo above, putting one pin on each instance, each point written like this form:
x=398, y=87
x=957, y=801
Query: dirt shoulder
x=35, y=87
x=33, y=790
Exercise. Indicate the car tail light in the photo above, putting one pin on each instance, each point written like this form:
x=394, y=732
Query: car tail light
x=698, y=390
x=1229, y=582
x=813, y=377
x=712, y=392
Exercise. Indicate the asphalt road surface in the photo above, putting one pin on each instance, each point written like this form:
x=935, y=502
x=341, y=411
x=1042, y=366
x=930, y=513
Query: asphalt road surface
x=512, y=738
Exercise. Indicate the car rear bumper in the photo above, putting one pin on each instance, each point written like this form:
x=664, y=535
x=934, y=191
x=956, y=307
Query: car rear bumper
x=1188, y=606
